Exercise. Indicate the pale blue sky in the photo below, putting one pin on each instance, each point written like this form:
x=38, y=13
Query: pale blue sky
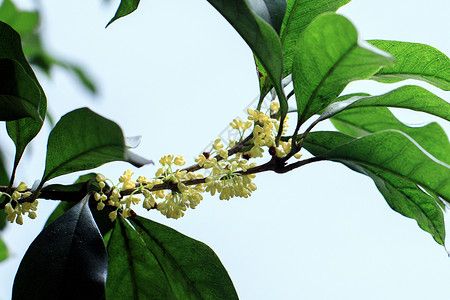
x=176, y=73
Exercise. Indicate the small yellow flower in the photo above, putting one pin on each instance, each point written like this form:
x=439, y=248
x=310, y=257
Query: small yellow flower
x=217, y=144
x=274, y=105
x=22, y=187
x=113, y=215
x=179, y=160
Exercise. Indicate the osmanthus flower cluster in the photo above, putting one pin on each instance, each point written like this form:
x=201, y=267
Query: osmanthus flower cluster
x=14, y=209
x=224, y=171
x=174, y=189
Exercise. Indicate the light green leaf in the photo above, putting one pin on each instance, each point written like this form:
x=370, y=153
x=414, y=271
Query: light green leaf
x=328, y=57
x=192, y=269
x=261, y=38
x=299, y=14
x=367, y=120
x=3, y=251
x=409, y=96
x=126, y=7
x=24, y=22
x=402, y=194
x=414, y=61
x=84, y=140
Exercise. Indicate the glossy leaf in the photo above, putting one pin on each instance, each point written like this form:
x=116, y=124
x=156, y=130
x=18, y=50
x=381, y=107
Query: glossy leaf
x=397, y=174
x=157, y=262
x=84, y=140
x=410, y=97
x=134, y=272
x=19, y=95
x=261, y=38
x=126, y=7
x=271, y=11
x=299, y=14
x=328, y=57
x=367, y=120
x=414, y=61
x=72, y=260
x=3, y=250
x=70, y=192
x=21, y=131
x=192, y=269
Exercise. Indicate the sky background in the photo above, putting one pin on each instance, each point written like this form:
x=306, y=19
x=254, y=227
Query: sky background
x=177, y=73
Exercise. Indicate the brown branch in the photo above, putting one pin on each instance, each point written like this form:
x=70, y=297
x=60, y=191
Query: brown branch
x=276, y=164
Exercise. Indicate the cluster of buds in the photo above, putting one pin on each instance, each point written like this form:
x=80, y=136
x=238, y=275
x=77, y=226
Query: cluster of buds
x=174, y=189
x=15, y=210
x=225, y=173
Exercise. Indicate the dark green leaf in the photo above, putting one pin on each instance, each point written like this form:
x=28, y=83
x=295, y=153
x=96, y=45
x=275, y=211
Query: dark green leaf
x=192, y=269
x=396, y=165
x=328, y=57
x=261, y=38
x=410, y=97
x=134, y=272
x=21, y=131
x=271, y=11
x=84, y=140
x=367, y=120
x=101, y=218
x=3, y=251
x=4, y=180
x=62, y=207
x=19, y=95
x=299, y=14
x=414, y=61
x=126, y=7
x=71, y=192
x=67, y=260
x=3, y=216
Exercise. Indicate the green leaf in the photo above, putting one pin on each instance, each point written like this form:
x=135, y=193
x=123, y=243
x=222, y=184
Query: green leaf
x=4, y=180
x=299, y=14
x=83, y=185
x=414, y=61
x=3, y=251
x=328, y=57
x=62, y=207
x=134, y=272
x=67, y=260
x=261, y=38
x=157, y=262
x=409, y=97
x=71, y=192
x=397, y=167
x=271, y=11
x=24, y=22
x=84, y=140
x=126, y=7
x=19, y=95
x=367, y=120
x=192, y=269
x=21, y=131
